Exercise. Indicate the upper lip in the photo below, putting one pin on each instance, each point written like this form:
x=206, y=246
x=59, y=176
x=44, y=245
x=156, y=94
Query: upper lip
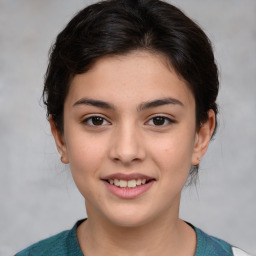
x=131, y=176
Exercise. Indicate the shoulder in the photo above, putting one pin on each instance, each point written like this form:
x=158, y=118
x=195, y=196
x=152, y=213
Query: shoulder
x=64, y=243
x=239, y=252
x=210, y=245
x=53, y=245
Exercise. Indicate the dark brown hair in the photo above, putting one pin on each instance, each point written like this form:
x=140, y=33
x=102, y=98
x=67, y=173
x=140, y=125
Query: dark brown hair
x=117, y=27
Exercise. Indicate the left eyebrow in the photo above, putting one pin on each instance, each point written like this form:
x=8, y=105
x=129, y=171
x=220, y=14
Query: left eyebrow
x=95, y=103
x=158, y=103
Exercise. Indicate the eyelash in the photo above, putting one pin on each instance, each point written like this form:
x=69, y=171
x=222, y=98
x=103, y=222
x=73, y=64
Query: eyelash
x=88, y=121
x=166, y=120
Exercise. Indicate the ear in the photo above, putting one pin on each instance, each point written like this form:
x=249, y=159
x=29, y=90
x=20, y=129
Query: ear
x=203, y=137
x=59, y=141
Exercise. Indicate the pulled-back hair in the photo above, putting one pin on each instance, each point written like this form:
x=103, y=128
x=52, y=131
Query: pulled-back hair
x=117, y=27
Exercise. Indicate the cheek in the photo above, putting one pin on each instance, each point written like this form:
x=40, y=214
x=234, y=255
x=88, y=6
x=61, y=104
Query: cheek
x=85, y=158
x=174, y=153
x=85, y=155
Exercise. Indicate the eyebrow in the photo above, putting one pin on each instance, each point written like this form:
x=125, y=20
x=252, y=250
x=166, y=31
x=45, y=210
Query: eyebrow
x=141, y=107
x=95, y=103
x=158, y=103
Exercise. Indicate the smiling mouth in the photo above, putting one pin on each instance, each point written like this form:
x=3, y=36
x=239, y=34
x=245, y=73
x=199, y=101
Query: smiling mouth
x=133, y=183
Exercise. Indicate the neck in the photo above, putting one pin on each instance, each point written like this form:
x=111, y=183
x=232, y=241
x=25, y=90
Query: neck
x=167, y=235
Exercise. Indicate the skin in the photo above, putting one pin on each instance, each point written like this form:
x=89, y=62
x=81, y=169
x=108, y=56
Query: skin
x=127, y=140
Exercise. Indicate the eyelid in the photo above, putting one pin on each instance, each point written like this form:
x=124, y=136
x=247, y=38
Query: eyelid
x=87, y=118
x=170, y=120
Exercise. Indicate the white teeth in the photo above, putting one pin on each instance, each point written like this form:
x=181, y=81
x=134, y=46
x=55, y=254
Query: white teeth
x=138, y=182
x=116, y=182
x=131, y=183
x=123, y=183
x=127, y=184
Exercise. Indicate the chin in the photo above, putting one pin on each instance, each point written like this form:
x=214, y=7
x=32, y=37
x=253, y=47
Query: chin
x=129, y=221
x=130, y=217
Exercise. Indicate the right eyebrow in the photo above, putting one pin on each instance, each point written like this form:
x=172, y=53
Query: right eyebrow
x=95, y=103
x=159, y=102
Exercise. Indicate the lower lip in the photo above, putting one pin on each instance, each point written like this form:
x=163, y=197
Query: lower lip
x=129, y=193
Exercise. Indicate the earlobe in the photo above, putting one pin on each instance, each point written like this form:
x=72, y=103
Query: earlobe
x=59, y=141
x=203, y=137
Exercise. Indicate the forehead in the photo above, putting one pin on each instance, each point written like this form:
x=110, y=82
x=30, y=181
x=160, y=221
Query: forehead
x=133, y=77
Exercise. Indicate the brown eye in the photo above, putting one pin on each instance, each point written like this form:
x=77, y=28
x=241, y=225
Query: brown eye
x=95, y=121
x=159, y=120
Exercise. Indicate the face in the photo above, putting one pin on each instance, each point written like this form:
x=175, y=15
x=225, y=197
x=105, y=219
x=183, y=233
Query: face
x=130, y=138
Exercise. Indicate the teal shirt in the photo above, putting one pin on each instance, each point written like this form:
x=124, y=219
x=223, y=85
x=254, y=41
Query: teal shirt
x=66, y=244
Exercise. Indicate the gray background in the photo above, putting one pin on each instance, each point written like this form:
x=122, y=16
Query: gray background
x=38, y=197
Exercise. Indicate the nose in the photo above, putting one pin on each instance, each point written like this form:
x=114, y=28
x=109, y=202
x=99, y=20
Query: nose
x=127, y=145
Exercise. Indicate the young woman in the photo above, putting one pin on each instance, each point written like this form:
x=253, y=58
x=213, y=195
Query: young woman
x=131, y=92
